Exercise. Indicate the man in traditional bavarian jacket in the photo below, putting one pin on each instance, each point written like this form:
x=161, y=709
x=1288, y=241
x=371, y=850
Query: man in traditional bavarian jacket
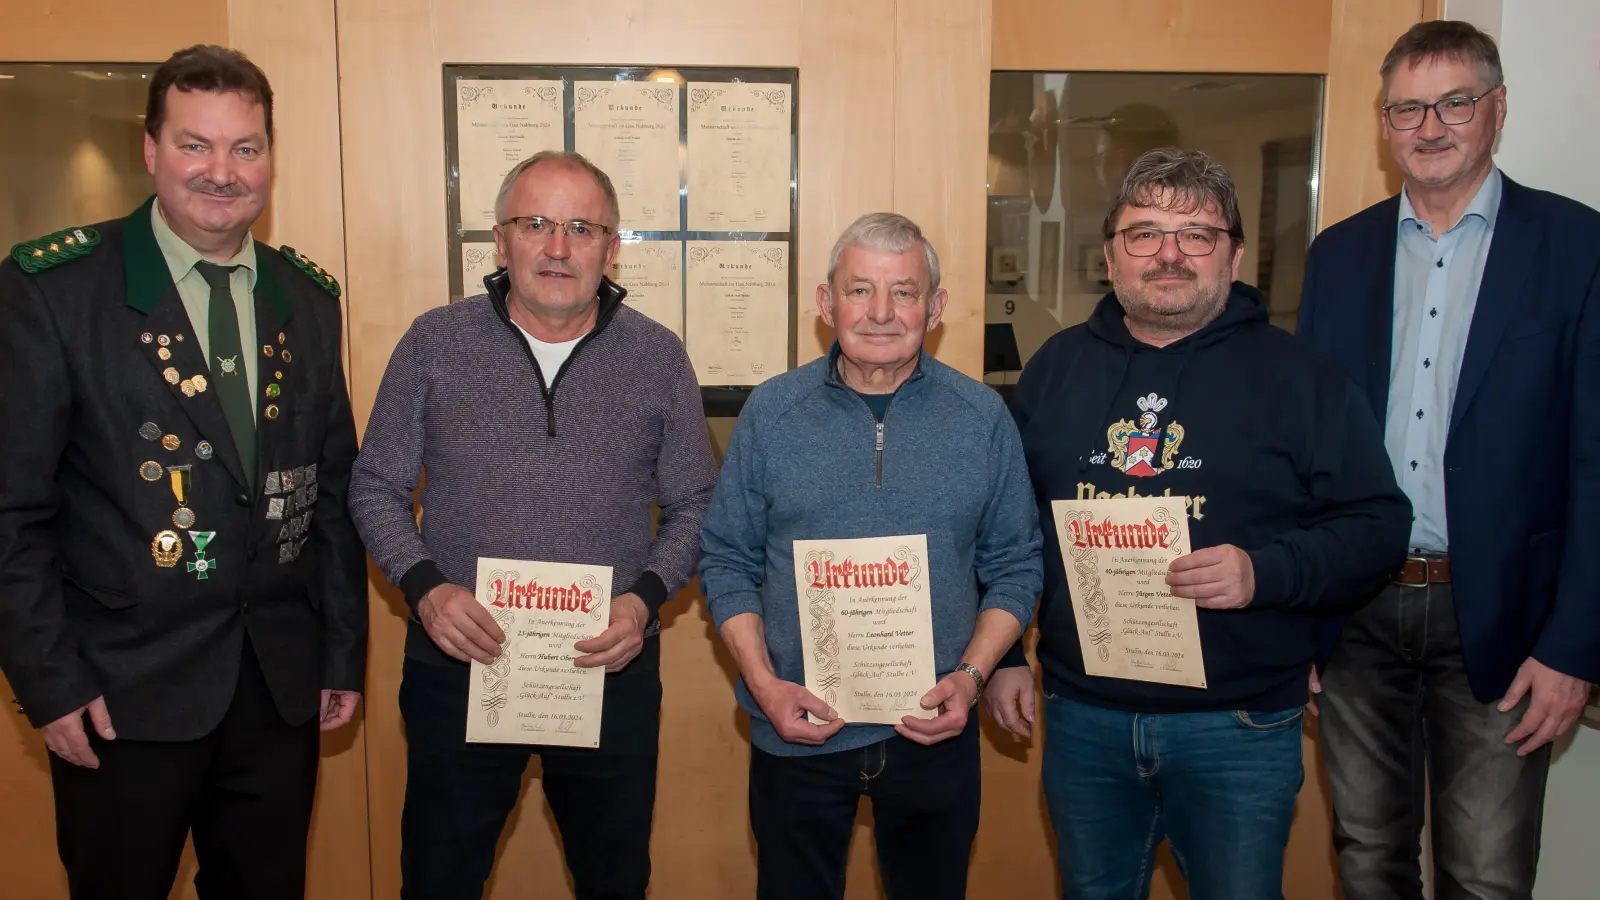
x=182, y=593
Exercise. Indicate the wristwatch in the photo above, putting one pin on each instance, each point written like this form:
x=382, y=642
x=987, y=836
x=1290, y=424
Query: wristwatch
x=977, y=678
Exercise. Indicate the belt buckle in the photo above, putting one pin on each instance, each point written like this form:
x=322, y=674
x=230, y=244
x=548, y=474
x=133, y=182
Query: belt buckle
x=1427, y=573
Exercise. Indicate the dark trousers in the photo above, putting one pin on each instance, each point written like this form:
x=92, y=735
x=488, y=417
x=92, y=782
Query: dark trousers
x=244, y=790
x=458, y=795
x=1399, y=722
x=924, y=810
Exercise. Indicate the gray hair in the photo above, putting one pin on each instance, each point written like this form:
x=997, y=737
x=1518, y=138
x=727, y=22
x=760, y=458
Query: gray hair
x=886, y=232
x=1189, y=180
x=1445, y=39
x=577, y=160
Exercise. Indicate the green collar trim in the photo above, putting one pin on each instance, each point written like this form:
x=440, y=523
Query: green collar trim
x=148, y=278
x=268, y=286
x=144, y=269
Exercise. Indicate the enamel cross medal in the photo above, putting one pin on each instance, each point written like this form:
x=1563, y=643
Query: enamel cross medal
x=201, y=566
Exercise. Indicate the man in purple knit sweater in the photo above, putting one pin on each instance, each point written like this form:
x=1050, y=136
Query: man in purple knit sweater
x=548, y=417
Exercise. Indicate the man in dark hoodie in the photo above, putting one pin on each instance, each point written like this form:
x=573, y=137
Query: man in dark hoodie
x=1294, y=516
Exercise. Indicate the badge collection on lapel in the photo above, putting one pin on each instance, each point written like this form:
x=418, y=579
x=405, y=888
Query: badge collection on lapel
x=170, y=346
x=290, y=494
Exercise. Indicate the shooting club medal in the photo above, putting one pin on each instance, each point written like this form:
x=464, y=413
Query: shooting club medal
x=182, y=517
x=201, y=567
x=166, y=548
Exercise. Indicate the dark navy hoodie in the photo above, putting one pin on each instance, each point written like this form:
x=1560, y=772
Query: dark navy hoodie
x=1280, y=455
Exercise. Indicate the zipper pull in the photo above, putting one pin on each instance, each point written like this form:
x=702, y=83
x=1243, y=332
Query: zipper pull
x=879, y=448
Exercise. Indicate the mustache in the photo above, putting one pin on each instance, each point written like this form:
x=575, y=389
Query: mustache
x=206, y=186
x=1166, y=270
x=1437, y=144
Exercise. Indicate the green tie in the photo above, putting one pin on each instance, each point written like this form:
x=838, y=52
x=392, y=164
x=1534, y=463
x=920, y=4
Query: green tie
x=227, y=366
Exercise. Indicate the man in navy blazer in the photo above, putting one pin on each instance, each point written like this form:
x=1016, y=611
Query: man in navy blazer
x=1468, y=309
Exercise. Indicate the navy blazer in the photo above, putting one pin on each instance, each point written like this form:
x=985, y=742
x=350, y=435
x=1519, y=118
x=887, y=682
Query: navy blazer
x=1522, y=458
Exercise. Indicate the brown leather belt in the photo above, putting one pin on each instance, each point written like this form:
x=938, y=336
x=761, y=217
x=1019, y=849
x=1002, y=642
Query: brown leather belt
x=1421, y=571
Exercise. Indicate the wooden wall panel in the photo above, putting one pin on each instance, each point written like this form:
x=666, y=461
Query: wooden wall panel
x=1162, y=35
x=27, y=828
x=1356, y=171
x=293, y=42
x=623, y=32
x=108, y=30
x=395, y=265
x=847, y=140
x=941, y=155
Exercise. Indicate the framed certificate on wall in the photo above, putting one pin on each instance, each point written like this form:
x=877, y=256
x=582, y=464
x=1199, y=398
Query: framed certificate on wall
x=704, y=163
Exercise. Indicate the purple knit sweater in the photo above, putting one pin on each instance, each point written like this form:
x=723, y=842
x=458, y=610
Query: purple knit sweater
x=518, y=472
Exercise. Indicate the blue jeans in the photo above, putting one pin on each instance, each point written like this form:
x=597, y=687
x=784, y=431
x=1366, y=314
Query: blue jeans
x=1220, y=786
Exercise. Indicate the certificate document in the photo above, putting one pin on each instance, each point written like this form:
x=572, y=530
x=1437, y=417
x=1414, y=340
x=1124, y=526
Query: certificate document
x=499, y=124
x=630, y=130
x=737, y=318
x=479, y=259
x=866, y=626
x=739, y=156
x=1116, y=554
x=532, y=693
x=652, y=271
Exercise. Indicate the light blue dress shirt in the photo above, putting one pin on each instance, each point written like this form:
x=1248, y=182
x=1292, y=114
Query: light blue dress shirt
x=1436, y=280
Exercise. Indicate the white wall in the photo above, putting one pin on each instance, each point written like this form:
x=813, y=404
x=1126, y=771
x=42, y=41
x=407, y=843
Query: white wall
x=1551, y=53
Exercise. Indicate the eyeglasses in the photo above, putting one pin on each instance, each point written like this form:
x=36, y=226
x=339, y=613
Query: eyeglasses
x=539, y=228
x=1409, y=115
x=1192, y=240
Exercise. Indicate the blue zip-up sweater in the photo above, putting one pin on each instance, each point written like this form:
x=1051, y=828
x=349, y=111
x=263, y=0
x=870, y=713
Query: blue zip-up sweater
x=810, y=461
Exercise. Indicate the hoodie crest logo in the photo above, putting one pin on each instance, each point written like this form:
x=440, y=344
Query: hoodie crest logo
x=1134, y=447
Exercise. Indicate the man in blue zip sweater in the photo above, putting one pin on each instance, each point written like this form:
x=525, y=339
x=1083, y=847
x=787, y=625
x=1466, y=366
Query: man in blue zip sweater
x=1294, y=515
x=875, y=439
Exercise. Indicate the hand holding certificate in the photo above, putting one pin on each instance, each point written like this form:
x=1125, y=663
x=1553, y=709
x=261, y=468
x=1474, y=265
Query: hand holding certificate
x=866, y=626
x=1117, y=553
x=533, y=693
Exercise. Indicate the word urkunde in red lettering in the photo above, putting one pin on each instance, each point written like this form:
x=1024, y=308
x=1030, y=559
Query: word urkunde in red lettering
x=1146, y=535
x=827, y=574
x=509, y=593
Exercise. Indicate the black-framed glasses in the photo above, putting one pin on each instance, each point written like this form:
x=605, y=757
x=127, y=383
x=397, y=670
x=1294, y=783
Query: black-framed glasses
x=1408, y=115
x=1192, y=240
x=539, y=228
